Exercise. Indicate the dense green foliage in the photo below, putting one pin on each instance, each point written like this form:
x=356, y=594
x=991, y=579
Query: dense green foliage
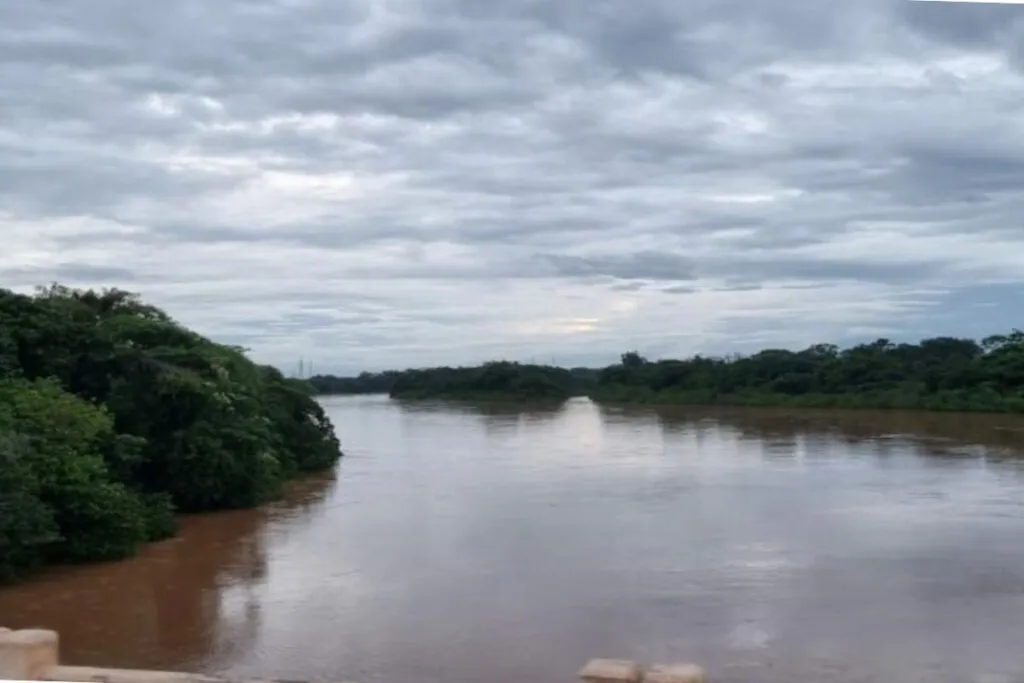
x=364, y=383
x=936, y=374
x=113, y=416
x=942, y=373
x=498, y=380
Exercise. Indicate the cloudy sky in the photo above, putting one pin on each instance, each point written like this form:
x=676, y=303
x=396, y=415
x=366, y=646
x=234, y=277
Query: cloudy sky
x=393, y=183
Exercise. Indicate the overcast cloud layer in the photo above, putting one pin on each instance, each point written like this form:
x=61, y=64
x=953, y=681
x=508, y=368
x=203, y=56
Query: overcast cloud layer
x=393, y=183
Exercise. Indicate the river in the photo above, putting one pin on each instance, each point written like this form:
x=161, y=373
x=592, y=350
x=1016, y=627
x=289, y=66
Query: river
x=458, y=543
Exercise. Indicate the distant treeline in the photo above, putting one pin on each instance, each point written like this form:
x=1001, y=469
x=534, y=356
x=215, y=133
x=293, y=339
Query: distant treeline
x=495, y=380
x=364, y=383
x=942, y=373
x=113, y=417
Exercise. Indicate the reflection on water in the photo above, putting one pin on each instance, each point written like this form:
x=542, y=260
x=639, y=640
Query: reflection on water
x=171, y=606
x=496, y=417
x=467, y=542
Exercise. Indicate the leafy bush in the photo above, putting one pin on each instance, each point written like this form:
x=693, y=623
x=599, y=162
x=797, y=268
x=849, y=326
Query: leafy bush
x=113, y=416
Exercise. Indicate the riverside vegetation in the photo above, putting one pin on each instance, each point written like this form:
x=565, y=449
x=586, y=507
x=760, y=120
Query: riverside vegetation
x=941, y=373
x=113, y=417
x=498, y=380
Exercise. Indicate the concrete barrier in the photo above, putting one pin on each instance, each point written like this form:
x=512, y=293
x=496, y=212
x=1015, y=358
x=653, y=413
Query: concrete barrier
x=34, y=655
x=27, y=655
x=626, y=671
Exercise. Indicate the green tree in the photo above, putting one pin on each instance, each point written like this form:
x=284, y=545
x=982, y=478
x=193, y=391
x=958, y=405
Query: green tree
x=96, y=517
x=942, y=373
x=113, y=415
x=27, y=525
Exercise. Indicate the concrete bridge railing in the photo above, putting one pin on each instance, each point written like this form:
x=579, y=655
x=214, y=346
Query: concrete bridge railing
x=625, y=671
x=34, y=655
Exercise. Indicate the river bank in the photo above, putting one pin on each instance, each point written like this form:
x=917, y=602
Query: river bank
x=114, y=419
x=950, y=401
x=940, y=373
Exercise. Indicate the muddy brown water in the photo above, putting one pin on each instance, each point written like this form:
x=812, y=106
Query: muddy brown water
x=464, y=543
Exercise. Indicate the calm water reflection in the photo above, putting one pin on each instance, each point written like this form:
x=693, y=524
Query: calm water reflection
x=461, y=543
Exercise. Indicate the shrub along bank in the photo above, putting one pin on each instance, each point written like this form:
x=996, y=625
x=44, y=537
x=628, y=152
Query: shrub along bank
x=113, y=417
x=941, y=373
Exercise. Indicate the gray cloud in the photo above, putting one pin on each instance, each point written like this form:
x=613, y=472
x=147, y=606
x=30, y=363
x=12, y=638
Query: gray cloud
x=965, y=26
x=644, y=264
x=408, y=182
x=679, y=289
x=628, y=286
x=84, y=273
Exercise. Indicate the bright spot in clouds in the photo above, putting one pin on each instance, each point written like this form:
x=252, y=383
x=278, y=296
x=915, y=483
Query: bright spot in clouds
x=374, y=185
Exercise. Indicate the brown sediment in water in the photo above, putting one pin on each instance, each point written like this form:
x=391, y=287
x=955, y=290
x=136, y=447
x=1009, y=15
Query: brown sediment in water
x=463, y=543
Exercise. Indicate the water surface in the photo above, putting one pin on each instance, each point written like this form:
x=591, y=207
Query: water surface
x=459, y=543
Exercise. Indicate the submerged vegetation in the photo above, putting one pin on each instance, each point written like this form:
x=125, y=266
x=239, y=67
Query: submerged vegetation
x=113, y=417
x=942, y=373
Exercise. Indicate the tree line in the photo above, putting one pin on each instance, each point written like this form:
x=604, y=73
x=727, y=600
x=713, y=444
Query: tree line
x=114, y=417
x=364, y=383
x=501, y=380
x=940, y=373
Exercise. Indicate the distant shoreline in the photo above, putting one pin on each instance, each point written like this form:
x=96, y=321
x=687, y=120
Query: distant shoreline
x=953, y=403
x=945, y=374
x=933, y=404
x=484, y=397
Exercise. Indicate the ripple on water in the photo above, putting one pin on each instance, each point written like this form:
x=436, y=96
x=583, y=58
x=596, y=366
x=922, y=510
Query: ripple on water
x=460, y=544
